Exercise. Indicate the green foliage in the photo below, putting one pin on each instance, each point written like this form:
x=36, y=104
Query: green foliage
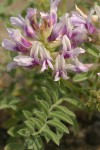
x=14, y=146
x=93, y=103
x=86, y=4
x=47, y=119
x=10, y=102
x=93, y=50
x=82, y=76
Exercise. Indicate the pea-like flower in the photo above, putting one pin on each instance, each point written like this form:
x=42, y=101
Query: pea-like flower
x=60, y=68
x=79, y=18
x=68, y=51
x=45, y=41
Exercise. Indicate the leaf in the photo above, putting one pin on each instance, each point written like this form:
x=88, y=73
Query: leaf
x=59, y=133
x=27, y=114
x=35, y=147
x=92, y=49
x=38, y=143
x=57, y=124
x=51, y=135
x=38, y=124
x=65, y=110
x=40, y=115
x=30, y=125
x=46, y=96
x=70, y=86
x=24, y=132
x=82, y=76
x=61, y=116
x=46, y=138
x=13, y=100
x=71, y=101
x=30, y=143
x=8, y=25
x=94, y=53
x=12, y=131
x=10, y=102
x=53, y=89
x=75, y=126
x=44, y=106
x=14, y=146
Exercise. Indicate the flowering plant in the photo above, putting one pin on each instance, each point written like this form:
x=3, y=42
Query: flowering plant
x=57, y=45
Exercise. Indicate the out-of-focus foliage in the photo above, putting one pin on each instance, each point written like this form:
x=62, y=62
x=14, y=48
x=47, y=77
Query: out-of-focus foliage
x=94, y=101
x=86, y=3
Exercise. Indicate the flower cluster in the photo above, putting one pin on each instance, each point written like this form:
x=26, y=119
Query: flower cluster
x=44, y=41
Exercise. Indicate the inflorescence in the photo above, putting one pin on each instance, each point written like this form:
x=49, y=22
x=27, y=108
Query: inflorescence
x=45, y=41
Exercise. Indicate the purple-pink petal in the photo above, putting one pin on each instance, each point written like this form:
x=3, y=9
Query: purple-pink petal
x=17, y=21
x=9, y=45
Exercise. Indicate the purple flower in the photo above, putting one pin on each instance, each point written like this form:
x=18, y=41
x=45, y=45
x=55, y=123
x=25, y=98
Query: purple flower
x=18, y=43
x=28, y=29
x=78, y=66
x=60, y=68
x=29, y=61
x=68, y=51
x=53, y=11
x=32, y=16
x=79, y=18
x=50, y=19
x=62, y=28
x=45, y=59
x=67, y=27
x=24, y=61
x=46, y=41
x=79, y=36
x=9, y=45
x=24, y=24
x=55, y=34
x=17, y=21
x=12, y=65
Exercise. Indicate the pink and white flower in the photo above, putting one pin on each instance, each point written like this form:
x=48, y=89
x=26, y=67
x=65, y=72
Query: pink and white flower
x=60, y=68
x=68, y=51
x=48, y=42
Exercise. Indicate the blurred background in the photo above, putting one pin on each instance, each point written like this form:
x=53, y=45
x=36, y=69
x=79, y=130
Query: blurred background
x=18, y=83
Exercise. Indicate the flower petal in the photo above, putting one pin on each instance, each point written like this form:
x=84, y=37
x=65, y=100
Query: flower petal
x=9, y=45
x=31, y=12
x=44, y=66
x=24, y=61
x=80, y=67
x=17, y=21
x=28, y=29
x=64, y=76
x=76, y=19
x=66, y=43
x=50, y=64
x=16, y=36
x=11, y=66
x=57, y=77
